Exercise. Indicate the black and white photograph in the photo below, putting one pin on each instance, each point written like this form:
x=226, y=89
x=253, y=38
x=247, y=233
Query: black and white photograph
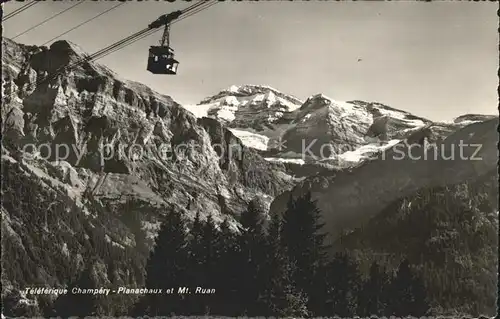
x=270, y=159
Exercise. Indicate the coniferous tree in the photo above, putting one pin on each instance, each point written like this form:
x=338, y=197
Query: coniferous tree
x=407, y=294
x=210, y=261
x=209, y=236
x=228, y=275
x=226, y=240
x=196, y=270
x=252, y=219
x=252, y=245
x=196, y=231
x=279, y=296
x=80, y=305
x=166, y=266
x=303, y=240
x=195, y=242
x=343, y=280
x=373, y=297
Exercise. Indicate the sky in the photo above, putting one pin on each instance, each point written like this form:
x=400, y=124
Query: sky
x=433, y=59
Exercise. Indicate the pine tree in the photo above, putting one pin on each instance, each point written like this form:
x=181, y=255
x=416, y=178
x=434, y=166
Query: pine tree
x=195, y=272
x=209, y=236
x=226, y=240
x=166, y=266
x=304, y=242
x=279, y=296
x=407, y=294
x=210, y=262
x=196, y=250
x=253, y=218
x=373, y=295
x=343, y=280
x=228, y=275
x=251, y=241
x=80, y=305
x=196, y=230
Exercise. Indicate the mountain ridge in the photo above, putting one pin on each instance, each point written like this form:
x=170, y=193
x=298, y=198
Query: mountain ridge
x=372, y=123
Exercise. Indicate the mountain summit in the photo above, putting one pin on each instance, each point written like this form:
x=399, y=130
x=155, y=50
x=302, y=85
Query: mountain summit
x=253, y=107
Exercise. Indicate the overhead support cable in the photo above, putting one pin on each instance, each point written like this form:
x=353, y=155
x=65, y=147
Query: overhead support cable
x=83, y=23
x=48, y=19
x=19, y=10
x=153, y=31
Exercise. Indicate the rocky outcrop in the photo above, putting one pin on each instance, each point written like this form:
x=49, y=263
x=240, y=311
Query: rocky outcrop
x=378, y=128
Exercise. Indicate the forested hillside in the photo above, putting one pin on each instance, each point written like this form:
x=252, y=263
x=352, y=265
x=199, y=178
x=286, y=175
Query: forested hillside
x=449, y=234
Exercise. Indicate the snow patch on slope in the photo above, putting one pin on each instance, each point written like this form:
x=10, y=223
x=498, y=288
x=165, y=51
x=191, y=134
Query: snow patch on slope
x=285, y=160
x=365, y=151
x=199, y=111
x=250, y=139
x=401, y=116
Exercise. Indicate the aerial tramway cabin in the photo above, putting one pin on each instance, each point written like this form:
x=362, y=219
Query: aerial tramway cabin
x=161, y=60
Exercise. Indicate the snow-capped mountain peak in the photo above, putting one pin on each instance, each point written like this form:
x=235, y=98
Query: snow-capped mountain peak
x=250, y=92
x=263, y=117
x=247, y=106
x=233, y=88
x=321, y=96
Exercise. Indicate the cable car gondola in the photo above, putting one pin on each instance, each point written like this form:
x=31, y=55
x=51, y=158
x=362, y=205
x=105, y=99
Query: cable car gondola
x=161, y=58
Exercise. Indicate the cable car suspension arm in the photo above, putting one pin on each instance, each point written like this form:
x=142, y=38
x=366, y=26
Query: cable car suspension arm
x=165, y=38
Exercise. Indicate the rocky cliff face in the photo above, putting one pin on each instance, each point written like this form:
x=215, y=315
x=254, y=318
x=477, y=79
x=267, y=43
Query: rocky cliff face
x=111, y=149
x=95, y=122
